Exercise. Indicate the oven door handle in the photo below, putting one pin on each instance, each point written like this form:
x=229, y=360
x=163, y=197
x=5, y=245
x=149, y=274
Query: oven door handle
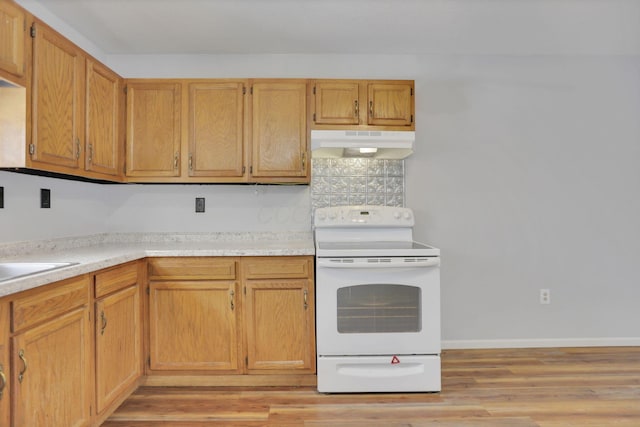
x=379, y=263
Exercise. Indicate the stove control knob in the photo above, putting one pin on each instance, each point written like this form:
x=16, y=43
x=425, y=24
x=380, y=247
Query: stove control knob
x=322, y=216
x=407, y=215
x=332, y=216
x=396, y=215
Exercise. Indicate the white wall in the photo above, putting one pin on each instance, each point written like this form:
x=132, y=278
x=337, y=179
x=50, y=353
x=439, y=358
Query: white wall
x=525, y=175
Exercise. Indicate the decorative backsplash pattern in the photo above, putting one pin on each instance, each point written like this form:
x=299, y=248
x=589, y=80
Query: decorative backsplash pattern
x=356, y=181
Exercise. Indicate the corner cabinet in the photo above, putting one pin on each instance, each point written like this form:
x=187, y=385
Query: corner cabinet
x=228, y=316
x=363, y=104
x=12, y=34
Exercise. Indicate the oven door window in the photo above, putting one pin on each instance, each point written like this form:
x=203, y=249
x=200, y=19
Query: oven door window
x=379, y=308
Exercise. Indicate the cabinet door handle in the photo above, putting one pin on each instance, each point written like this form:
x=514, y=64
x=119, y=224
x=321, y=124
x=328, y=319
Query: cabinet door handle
x=304, y=160
x=190, y=162
x=232, y=295
x=3, y=380
x=305, y=295
x=77, y=148
x=90, y=153
x=357, y=109
x=371, y=109
x=104, y=322
x=175, y=160
x=24, y=363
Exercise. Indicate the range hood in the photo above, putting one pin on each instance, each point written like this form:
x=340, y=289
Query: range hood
x=357, y=143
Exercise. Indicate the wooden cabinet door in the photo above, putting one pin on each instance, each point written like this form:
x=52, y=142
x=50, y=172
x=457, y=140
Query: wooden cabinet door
x=118, y=338
x=193, y=325
x=103, y=123
x=279, y=130
x=390, y=104
x=5, y=394
x=12, y=38
x=153, y=129
x=279, y=326
x=51, y=373
x=58, y=82
x=216, y=129
x=336, y=102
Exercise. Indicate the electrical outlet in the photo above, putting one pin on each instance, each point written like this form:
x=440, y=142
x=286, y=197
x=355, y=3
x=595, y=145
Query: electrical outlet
x=545, y=296
x=45, y=198
x=199, y=204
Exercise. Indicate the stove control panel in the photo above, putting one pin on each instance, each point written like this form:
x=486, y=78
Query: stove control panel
x=363, y=216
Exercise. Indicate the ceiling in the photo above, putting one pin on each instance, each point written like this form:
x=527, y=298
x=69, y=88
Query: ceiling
x=512, y=27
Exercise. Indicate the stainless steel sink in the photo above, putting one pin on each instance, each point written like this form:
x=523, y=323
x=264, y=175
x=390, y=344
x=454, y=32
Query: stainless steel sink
x=12, y=270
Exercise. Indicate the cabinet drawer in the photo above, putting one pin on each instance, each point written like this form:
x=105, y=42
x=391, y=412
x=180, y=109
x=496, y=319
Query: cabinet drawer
x=192, y=268
x=117, y=278
x=51, y=302
x=277, y=267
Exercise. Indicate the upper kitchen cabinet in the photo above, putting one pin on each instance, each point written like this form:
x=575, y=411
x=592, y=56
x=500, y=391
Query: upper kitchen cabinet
x=216, y=129
x=104, y=124
x=279, y=131
x=363, y=104
x=153, y=130
x=225, y=131
x=12, y=40
x=336, y=102
x=77, y=106
x=57, y=103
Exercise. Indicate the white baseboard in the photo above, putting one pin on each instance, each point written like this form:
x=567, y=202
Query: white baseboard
x=535, y=343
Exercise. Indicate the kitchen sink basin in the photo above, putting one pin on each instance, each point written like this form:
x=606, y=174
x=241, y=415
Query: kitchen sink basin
x=12, y=270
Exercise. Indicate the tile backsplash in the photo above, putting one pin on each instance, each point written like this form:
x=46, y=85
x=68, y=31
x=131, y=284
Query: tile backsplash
x=356, y=181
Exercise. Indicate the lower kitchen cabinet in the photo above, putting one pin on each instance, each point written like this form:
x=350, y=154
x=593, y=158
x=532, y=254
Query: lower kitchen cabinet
x=51, y=382
x=279, y=314
x=5, y=394
x=118, y=335
x=226, y=315
x=193, y=326
x=193, y=305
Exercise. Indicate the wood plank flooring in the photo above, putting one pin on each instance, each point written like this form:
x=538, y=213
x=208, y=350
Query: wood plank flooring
x=550, y=387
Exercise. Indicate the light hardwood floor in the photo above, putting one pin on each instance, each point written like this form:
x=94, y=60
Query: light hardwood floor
x=550, y=387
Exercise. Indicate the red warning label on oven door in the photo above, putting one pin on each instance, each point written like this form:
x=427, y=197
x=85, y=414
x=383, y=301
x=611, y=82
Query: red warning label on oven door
x=395, y=360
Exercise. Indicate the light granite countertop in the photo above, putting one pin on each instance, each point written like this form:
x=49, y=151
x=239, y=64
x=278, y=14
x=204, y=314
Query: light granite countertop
x=96, y=252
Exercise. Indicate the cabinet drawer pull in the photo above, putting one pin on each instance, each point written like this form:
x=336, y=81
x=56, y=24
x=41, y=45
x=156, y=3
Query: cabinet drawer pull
x=24, y=363
x=232, y=295
x=104, y=322
x=3, y=380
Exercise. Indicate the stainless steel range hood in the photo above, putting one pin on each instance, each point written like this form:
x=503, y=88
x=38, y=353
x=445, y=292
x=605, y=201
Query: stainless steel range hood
x=355, y=143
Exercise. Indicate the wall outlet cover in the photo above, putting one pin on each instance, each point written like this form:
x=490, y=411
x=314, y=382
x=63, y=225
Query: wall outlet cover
x=199, y=204
x=45, y=198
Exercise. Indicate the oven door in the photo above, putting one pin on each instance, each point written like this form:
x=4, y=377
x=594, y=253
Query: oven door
x=377, y=306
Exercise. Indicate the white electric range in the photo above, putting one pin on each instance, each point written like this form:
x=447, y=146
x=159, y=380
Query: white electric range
x=377, y=302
